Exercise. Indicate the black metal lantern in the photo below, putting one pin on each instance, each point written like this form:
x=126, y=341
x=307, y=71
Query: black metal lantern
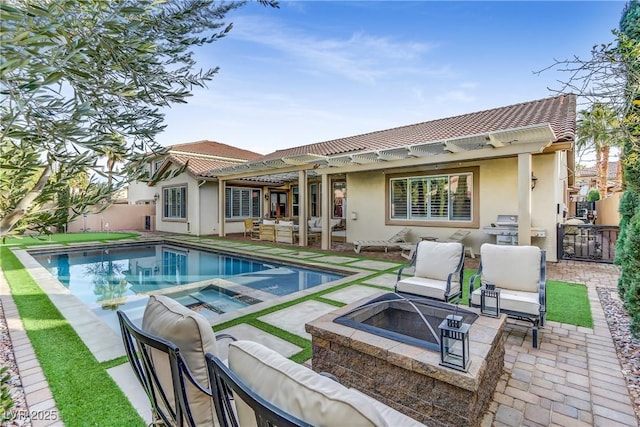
x=454, y=343
x=490, y=300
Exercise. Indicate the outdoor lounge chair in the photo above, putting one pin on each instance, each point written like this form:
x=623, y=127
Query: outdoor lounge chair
x=398, y=240
x=268, y=387
x=167, y=355
x=438, y=271
x=519, y=272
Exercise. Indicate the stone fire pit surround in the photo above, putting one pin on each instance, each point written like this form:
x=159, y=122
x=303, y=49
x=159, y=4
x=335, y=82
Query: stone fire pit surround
x=409, y=378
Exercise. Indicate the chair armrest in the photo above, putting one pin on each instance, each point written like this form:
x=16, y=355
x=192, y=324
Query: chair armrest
x=225, y=336
x=542, y=289
x=472, y=281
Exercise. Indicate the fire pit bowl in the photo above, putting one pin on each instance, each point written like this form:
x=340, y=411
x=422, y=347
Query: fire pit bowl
x=412, y=321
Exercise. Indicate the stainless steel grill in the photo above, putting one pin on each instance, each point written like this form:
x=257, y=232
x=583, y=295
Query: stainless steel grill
x=505, y=228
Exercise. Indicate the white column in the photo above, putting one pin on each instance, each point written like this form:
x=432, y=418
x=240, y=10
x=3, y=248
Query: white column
x=325, y=193
x=222, y=185
x=524, y=199
x=303, y=202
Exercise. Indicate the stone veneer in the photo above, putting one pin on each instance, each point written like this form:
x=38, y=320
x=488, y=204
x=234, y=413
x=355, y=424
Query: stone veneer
x=409, y=378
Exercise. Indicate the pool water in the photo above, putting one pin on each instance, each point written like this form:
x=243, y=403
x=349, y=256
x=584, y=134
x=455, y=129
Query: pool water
x=122, y=277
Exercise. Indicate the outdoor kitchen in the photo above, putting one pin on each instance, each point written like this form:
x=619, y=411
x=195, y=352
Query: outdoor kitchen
x=505, y=228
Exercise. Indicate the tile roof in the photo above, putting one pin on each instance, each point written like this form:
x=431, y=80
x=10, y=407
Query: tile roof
x=199, y=166
x=559, y=112
x=590, y=171
x=212, y=148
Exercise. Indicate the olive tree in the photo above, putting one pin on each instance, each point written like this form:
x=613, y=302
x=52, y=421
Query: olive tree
x=85, y=81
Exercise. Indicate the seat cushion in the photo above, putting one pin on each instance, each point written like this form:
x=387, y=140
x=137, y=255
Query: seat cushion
x=436, y=260
x=297, y=389
x=192, y=333
x=390, y=415
x=523, y=302
x=511, y=267
x=430, y=288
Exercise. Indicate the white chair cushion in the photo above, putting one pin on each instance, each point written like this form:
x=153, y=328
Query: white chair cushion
x=436, y=260
x=334, y=222
x=523, y=302
x=391, y=416
x=192, y=333
x=297, y=389
x=285, y=222
x=430, y=288
x=511, y=267
x=269, y=221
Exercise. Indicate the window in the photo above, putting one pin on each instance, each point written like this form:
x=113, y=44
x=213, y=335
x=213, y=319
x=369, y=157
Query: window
x=432, y=198
x=175, y=202
x=242, y=203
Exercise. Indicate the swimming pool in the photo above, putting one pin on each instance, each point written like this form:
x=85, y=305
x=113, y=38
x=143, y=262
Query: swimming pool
x=122, y=277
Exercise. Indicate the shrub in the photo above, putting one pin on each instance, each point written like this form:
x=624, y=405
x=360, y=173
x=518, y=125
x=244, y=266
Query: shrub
x=630, y=272
x=593, y=195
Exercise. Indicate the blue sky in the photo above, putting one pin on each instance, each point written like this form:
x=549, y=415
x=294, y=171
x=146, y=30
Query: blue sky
x=312, y=71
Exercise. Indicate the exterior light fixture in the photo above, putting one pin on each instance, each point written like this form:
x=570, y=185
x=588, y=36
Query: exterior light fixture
x=534, y=181
x=490, y=300
x=156, y=196
x=454, y=343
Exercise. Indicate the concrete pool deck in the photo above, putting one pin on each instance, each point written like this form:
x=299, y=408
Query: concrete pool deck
x=574, y=378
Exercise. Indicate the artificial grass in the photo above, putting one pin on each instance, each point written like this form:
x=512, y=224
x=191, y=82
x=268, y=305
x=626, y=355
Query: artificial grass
x=66, y=238
x=84, y=392
x=568, y=303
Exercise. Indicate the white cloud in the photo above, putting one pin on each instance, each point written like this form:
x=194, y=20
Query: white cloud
x=359, y=57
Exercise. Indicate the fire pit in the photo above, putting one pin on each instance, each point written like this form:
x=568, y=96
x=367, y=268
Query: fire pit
x=378, y=347
x=411, y=321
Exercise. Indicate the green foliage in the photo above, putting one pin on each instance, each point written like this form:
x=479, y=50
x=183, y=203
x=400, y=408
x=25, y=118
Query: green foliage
x=630, y=22
x=593, y=195
x=628, y=245
x=6, y=402
x=630, y=272
x=83, y=81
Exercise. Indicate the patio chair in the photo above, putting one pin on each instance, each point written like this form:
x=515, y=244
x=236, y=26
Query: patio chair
x=273, y=390
x=251, y=228
x=438, y=271
x=167, y=355
x=519, y=272
x=225, y=384
x=396, y=241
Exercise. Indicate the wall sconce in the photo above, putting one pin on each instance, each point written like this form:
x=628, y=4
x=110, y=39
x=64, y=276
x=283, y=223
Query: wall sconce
x=156, y=197
x=266, y=196
x=534, y=181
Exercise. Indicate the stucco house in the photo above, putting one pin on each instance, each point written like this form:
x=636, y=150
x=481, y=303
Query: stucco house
x=434, y=177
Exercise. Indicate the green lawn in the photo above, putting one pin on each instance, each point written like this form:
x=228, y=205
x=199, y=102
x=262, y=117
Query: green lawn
x=65, y=239
x=85, y=393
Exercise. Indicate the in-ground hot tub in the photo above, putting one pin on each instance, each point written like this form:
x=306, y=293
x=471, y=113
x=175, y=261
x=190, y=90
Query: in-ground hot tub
x=374, y=349
x=412, y=321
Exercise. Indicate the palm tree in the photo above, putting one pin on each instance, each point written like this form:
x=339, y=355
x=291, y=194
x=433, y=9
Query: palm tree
x=599, y=128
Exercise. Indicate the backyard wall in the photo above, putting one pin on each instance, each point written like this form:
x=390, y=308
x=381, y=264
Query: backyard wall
x=607, y=210
x=118, y=217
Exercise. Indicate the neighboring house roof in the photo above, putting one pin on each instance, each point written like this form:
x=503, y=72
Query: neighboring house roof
x=559, y=112
x=216, y=149
x=590, y=171
x=203, y=156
